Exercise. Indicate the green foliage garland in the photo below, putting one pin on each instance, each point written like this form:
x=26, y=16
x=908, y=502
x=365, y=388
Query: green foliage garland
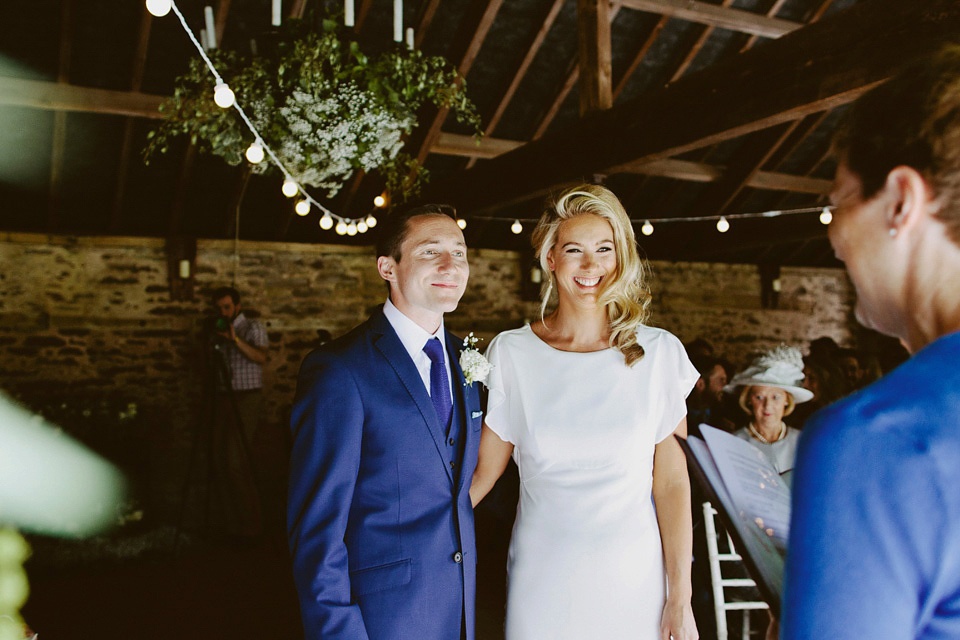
x=322, y=105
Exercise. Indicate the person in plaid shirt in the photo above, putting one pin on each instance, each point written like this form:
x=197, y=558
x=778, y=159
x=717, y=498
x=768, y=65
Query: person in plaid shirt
x=243, y=348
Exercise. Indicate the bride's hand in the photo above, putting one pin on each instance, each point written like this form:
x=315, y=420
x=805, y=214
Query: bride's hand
x=677, y=621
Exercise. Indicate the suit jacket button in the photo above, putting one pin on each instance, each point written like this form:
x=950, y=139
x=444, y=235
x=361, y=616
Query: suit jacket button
x=452, y=464
x=451, y=442
x=458, y=557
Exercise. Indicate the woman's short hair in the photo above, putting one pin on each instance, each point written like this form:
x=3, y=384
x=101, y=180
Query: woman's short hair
x=914, y=120
x=626, y=295
x=745, y=403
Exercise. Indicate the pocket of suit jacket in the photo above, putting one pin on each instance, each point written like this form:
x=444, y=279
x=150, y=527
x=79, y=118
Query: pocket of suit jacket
x=380, y=578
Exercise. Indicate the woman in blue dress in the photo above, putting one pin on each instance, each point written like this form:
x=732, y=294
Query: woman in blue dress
x=875, y=535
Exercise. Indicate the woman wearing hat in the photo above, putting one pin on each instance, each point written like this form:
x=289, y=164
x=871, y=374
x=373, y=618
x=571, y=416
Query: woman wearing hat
x=769, y=389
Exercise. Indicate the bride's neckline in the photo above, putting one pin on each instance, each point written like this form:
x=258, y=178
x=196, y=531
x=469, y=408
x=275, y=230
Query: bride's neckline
x=559, y=350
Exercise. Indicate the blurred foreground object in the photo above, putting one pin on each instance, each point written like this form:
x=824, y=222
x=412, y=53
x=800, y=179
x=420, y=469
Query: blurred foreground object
x=49, y=483
x=13, y=585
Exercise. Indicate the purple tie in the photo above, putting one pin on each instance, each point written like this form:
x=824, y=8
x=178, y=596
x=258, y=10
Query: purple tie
x=439, y=386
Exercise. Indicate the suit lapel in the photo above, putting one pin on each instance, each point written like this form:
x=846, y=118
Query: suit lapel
x=389, y=345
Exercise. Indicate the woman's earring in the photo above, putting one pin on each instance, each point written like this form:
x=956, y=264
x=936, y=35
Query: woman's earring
x=893, y=232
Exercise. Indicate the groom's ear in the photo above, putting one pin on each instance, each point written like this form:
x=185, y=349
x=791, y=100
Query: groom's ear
x=387, y=268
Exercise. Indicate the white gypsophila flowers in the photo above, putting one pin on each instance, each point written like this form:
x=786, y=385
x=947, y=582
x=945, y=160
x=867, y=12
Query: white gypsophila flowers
x=474, y=365
x=334, y=135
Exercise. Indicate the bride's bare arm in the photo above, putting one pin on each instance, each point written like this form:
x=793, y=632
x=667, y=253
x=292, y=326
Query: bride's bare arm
x=671, y=494
x=492, y=460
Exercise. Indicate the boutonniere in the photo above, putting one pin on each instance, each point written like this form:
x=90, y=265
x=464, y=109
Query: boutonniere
x=475, y=367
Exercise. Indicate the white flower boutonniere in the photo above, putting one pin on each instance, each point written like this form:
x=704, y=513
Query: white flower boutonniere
x=475, y=367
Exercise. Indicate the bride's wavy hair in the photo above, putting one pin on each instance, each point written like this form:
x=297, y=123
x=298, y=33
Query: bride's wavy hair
x=626, y=295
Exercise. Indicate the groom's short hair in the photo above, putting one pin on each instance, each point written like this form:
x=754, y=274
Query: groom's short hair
x=393, y=230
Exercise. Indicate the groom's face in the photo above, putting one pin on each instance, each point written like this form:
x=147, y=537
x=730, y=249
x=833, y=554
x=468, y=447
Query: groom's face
x=432, y=272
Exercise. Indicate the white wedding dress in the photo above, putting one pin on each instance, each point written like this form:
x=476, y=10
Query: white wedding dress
x=585, y=559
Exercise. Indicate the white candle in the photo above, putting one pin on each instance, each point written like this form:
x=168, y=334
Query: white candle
x=275, y=13
x=348, y=18
x=398, y=20
x=211, y=29
x=409, y=37
x=184, y=269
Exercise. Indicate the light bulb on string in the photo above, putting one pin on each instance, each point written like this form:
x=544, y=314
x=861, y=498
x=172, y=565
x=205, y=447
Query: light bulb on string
x=362, y=227
x=461, y=223
x=289, y=188
x=826, y=216
x=158, y=8
x=254, y=153
x=341, y=228
x=647, y=228
x=380, y=201
x=722, y=225
x=302, y=207
x=223, y=96
x=371, y=222
x=326, y=222
x=352, y=228
x=516, y=227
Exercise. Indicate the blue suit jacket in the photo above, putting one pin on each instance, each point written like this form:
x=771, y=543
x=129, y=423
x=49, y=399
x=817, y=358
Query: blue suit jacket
x=380, y=525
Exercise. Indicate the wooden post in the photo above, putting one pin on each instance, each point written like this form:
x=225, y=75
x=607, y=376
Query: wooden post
x=596, y=68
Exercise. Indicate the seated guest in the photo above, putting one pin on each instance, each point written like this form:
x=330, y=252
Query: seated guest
x=769, y=389
x=874, y=546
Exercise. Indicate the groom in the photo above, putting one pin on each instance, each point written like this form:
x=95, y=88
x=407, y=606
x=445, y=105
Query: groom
x=385, y=444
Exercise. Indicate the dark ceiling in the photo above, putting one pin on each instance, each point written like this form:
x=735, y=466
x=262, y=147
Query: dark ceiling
x=719, y=108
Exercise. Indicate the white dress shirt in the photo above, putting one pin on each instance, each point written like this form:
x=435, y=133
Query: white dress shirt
x=414, y=337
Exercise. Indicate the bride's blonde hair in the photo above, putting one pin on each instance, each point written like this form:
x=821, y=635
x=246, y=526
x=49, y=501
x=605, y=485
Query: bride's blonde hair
x=626, y=295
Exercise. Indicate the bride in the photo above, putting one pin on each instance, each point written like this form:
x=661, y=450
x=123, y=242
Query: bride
x=587, y=400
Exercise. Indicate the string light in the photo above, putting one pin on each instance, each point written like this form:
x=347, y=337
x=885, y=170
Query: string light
x=302, y=207
x=826, y=216
x=647, y=228
x=254, y=153
x=461, y=223
x=352, y=229
x=362, y=226
x=516, y=227
x=159, y=8
x=223, y=95
x=722, y=225
x=379, y=201
x=371, y=221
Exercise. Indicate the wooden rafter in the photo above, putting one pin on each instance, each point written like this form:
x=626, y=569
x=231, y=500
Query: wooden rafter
x=427, y=11
x=595, y=55
x=695, y=49
x=640, y=55
x=478, y=18
x=60, y=119
x=747, y=93
x=126, y=147
x=573, y=75
x=717, y=16
x=521, y=71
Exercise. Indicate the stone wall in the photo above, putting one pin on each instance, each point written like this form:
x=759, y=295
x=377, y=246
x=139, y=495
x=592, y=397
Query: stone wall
x=90, y=336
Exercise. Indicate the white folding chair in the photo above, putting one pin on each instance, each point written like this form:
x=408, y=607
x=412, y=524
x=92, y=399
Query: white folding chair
x=723, y=599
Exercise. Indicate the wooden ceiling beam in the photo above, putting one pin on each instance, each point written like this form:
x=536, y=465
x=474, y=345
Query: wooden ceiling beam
x=573, y=75
x=478, y=18
x=810, y=70
x=427, y=10
x=716, y=16
x=59, y=96
x=595, y=54
x=126, y=147
x=58, y=147
x=640, y=55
